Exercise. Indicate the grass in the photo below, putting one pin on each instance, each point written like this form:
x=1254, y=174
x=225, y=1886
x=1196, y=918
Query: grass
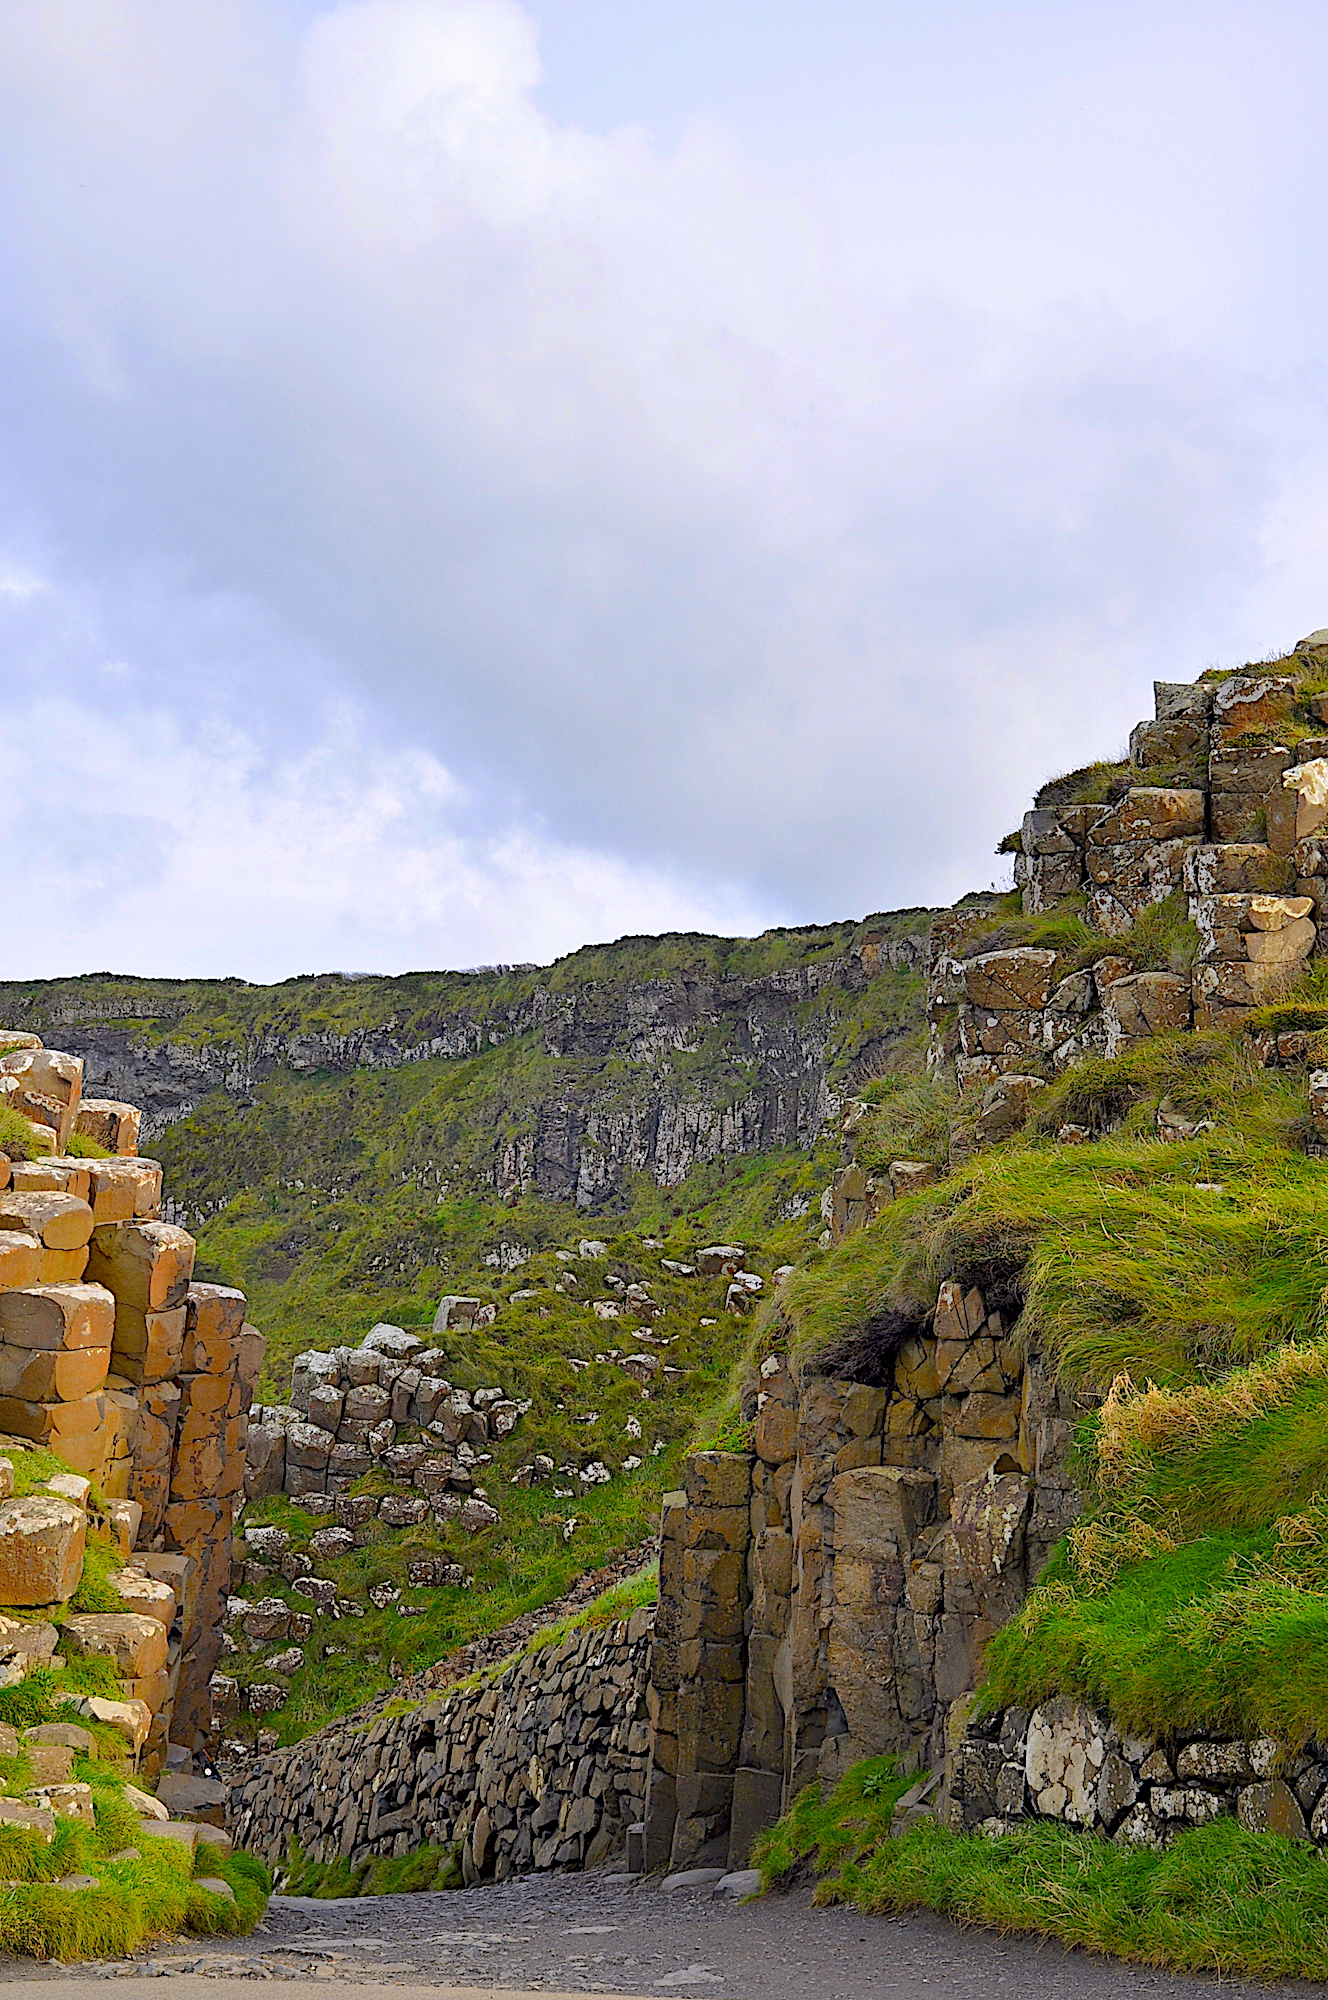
x=1185, y=1286
x=151, y=1893
x=143, y=1887
x=1161, y=938
x=1218, y=1900
x=1174, y=1259
x=79, y=1147
x=403, y=1874
x=16, y=1138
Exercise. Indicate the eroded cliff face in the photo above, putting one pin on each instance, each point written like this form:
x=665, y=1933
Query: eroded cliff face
x=585, y=1082
x=827, y=1596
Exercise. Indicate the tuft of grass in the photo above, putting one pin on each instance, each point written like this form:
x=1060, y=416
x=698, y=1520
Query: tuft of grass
x=16, y=1140
x=1136, y=1425
x=153, y=1894
x=1102, y=784
x=833, y=1834
x=909, y=1120
x=80, y=1147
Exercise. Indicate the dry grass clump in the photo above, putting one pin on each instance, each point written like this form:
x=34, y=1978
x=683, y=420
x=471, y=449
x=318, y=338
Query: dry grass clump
x=1101, y=1545
x=1137, y=1424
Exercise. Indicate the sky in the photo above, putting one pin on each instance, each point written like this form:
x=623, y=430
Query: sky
x=480, y=478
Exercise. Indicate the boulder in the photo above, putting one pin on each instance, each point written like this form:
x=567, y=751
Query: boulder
x=36, y=1820
x=193, y=1798
x=41, y=1550
x=392, y=1341
x=58, y=1317
x=147, y=1265
x=147, y=1595
x=109, y=1123
x=1149, y=813
x=135, y=1645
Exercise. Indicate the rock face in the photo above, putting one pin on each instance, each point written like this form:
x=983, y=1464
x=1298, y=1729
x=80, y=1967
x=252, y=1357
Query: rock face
x=1242, y=844
x=140, y=1380
x=582, y=1139
x=826, y=1597
x=543, y=1767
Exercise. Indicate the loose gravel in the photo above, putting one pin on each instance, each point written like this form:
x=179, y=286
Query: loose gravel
x=554, y=1935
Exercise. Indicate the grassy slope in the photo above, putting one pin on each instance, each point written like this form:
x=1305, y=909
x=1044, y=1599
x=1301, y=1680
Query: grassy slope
x=1219, y=1900
x=1187, y=1597
x=338, y=1200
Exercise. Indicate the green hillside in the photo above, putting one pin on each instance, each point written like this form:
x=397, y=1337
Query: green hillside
x=342, y=1173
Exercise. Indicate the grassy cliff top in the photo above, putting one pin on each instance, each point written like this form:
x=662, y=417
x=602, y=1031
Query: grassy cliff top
x=411, y=1003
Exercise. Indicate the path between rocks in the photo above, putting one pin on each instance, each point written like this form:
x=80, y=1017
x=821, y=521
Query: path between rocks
x=546, y=1937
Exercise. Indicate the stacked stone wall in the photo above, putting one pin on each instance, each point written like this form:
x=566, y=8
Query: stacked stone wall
x=542, y=1766
x=1064, y=1761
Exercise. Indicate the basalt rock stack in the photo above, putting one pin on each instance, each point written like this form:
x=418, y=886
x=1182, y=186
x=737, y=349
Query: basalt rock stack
x=1223, y=806
x=135, y=1376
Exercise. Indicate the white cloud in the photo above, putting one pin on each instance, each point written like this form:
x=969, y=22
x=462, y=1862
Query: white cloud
x=715, y=569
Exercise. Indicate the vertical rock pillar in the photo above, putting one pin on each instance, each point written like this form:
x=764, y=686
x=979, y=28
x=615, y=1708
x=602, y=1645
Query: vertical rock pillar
x=711, y=1644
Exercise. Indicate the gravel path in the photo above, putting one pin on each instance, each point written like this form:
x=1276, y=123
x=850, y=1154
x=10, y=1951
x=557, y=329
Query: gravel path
x=554, y=1935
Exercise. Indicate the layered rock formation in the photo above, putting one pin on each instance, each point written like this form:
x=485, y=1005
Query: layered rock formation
x=826, y=1597
x=137, y=1378
x=629, y=1071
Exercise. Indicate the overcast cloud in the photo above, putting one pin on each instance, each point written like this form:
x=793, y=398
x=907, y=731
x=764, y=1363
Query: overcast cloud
x=477, y=479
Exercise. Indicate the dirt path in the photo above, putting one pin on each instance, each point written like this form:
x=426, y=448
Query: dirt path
x=554, y=1935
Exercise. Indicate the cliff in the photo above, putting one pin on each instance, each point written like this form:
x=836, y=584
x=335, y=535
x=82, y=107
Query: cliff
x=1110, y=1182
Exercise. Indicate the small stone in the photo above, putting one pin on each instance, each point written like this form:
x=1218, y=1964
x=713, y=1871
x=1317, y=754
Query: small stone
x=743, y=1882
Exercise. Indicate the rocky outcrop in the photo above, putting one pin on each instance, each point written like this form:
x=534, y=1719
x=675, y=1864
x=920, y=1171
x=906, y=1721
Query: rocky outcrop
x=541, y=1766
x=637, y=1074
x=826, y=1597
x=138, y=1378
x=1240, y=843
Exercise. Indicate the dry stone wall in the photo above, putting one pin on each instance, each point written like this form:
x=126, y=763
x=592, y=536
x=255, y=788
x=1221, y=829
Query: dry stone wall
x=138, y=1378
x=542, y=1766
x=1064, y=1761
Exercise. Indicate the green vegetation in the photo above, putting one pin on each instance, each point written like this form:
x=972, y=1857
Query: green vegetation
x=1219, y=1900
x=423, y=1868
x=137, y=1886
x=81, y=1148
x=16, y=1134
x=1194, y=1592
x=1161, y=939
x=339, y=1197
x=415, y=1006
x=1170, y=1259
